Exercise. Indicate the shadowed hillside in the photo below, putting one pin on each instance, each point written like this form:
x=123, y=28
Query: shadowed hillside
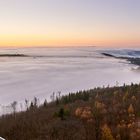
x=96, y=114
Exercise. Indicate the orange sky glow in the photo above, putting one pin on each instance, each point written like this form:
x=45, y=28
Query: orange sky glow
x=69, y=23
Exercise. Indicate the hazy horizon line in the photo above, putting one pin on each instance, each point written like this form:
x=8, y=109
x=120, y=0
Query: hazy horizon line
x=70, y=46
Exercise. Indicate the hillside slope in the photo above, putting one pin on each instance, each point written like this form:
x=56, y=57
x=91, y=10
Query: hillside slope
x=96, y=114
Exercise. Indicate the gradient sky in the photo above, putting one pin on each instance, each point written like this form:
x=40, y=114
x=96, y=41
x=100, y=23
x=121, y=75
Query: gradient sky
x=70, y=23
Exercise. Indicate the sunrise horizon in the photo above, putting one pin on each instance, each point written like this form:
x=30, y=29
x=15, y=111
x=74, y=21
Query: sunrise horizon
x=69, y=69
x=69, y=23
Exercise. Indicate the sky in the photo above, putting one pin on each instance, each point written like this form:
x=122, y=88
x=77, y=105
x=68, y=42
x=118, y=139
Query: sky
x=70, y=23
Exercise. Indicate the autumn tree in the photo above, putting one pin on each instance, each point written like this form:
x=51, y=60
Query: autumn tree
x=106, y=133
x=130, y=109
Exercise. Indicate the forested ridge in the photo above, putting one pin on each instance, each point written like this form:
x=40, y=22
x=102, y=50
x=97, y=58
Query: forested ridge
x=108, y=113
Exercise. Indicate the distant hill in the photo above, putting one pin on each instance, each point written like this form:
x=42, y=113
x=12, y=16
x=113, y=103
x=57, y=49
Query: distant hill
x=13, y=55
x=132, y=60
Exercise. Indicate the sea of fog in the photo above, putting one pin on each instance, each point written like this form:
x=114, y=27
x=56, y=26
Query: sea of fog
x=49, y=70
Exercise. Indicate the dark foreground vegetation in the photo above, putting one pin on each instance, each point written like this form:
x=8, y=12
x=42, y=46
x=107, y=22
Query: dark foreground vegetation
x=97, y=114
